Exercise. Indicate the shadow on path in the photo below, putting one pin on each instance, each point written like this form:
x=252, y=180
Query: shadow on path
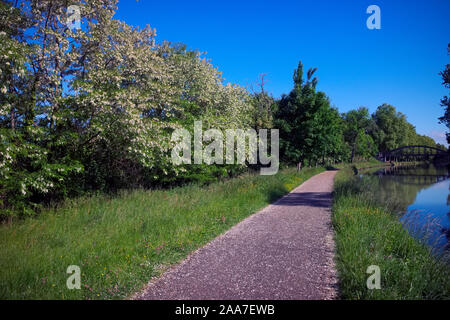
x=312, y=199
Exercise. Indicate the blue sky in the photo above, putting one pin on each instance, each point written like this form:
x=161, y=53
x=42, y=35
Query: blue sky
x=398, y=64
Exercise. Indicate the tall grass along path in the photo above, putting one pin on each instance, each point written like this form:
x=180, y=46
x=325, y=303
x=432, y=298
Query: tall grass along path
x=284, y=251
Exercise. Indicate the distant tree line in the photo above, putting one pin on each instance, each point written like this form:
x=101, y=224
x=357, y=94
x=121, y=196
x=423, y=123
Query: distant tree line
x=93, y=109
x=314, y=133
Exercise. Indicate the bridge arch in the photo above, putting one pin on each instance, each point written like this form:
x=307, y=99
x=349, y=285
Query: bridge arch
x=414, y=153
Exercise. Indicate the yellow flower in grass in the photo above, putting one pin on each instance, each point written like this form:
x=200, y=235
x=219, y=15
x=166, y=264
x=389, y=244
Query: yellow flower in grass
x=289, y=186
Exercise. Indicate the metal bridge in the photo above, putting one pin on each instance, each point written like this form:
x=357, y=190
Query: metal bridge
x=414, y=153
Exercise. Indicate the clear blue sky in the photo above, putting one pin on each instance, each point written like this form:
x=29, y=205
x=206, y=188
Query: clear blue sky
x=398, y=64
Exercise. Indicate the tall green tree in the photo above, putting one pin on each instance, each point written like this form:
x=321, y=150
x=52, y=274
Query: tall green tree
x=391, y=128
x=264, y=105
x=309, y=127
x=356, y=128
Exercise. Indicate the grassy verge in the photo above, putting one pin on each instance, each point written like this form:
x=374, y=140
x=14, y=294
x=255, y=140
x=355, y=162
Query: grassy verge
x=363, y=164
x=368, y=234
x=120, y=243
x=373, y=163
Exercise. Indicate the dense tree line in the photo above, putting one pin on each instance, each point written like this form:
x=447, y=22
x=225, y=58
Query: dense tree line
x=93, y=109
x=312, y=132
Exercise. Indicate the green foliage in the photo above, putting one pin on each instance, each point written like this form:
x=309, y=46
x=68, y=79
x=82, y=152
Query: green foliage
x=77, y=117
x=28, y=170
x=313, y=132
x=356, y=127
x=310, y=129
x=391, y=130
x=264, y=106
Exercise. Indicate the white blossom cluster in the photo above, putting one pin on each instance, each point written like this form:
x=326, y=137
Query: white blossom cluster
x=110, y=83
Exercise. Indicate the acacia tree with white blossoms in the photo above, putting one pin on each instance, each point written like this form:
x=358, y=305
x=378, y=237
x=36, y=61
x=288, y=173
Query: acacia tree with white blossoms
x=205, y=97
x=94, y=108
x=26, y=167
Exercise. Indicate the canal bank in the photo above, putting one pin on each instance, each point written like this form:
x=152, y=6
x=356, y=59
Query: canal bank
x=418, y=194
x=368, y=233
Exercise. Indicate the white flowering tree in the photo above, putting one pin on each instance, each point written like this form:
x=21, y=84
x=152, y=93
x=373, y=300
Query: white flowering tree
x=94, y=107
x=26, y=167
x=202, y=95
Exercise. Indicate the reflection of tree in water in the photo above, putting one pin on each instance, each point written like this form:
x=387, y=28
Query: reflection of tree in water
x=415, y=170
x=387, y=190
x=396, y=188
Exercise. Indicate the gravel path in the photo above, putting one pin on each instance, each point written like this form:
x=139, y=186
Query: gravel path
x=284, y=251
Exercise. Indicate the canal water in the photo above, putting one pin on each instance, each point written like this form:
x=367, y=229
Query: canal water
x=419, y=195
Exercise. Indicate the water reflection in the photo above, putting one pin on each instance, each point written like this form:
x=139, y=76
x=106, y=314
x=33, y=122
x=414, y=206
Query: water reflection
x=419, y=195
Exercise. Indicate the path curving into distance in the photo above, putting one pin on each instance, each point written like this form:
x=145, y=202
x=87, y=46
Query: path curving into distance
x=284, y=251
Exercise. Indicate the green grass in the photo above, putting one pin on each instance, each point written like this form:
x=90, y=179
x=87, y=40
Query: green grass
x=120, y=243
x=368, y=234
x=372, y=162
